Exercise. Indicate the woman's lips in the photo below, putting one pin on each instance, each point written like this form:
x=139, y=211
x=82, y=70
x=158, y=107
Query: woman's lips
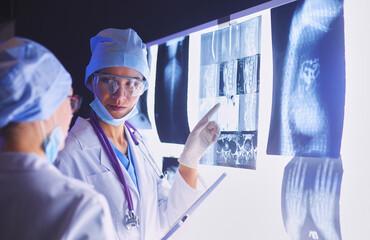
x=116, y=108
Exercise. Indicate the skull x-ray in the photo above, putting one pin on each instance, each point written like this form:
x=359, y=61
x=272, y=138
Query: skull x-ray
x=229, y=74
x=171, y=91
x=310, y=198
x=309, y=79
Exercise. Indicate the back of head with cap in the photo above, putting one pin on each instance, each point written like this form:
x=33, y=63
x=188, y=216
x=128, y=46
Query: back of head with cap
x=117, y=48
x=33, y=83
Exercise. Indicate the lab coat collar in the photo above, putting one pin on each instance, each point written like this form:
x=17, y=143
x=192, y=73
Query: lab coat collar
x=90, y=141
x=86, y=134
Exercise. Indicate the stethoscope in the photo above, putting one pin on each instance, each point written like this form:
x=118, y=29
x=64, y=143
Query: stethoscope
x=132, y=220
x=134, y=133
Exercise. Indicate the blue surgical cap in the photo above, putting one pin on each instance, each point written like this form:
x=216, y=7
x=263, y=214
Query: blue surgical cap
x=117, y=48
x=33, y=83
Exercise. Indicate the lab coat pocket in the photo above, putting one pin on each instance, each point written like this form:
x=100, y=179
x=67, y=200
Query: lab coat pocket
x=107, y=184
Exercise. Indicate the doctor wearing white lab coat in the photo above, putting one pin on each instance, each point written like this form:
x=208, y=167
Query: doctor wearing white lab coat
x=118, y=74
x=36, y=200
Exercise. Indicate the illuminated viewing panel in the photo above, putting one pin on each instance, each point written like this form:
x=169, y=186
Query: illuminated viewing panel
x=284, y=72
x=218, y=64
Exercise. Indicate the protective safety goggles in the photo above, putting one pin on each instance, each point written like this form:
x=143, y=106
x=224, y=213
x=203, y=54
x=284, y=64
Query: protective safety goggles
x=75, y=101
x=132, y=87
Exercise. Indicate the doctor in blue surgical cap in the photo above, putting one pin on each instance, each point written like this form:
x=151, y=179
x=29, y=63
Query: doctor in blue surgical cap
x=107, y=152
x=36, y=105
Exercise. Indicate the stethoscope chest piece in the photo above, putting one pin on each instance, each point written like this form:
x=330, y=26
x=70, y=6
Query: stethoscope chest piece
x=131, y=220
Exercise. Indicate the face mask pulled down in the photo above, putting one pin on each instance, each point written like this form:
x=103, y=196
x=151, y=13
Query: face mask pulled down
x=105, y=116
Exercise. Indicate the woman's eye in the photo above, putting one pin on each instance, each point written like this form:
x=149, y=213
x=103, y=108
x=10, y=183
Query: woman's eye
x=131, y=83
x=105, y=79
x=111, y=88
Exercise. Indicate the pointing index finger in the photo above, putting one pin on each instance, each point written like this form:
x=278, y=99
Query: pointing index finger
x=208, y=116
x=203, y=122
x=212, y=111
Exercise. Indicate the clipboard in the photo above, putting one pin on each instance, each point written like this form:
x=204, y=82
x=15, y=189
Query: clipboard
x=192, y=208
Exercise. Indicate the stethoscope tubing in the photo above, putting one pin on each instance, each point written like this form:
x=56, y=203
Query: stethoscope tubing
x=113, y=158
x=131, y=128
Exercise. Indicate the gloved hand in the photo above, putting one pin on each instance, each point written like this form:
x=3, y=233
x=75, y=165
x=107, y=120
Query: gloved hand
x=204, y=134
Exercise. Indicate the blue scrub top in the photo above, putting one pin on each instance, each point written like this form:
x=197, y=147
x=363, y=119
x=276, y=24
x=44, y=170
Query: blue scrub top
x=127, y=163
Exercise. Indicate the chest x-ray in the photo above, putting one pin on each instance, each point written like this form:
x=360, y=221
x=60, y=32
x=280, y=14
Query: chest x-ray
x=309, y=87
x=310, y=198
x=171, y=91
x=229, y=74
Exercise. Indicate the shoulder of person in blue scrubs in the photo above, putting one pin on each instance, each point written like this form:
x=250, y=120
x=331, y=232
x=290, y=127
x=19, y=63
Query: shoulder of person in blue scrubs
x=107, y=152
x=36, y=107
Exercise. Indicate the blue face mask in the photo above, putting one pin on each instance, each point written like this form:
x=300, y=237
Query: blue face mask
x=52, y=142
x=104, y=115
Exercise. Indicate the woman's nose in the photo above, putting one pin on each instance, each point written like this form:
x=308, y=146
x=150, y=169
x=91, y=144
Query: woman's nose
x=120, y=93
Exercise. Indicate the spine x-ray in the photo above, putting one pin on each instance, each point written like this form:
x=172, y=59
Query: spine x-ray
x=309, y=79
x=171, y=91
x=229, y=74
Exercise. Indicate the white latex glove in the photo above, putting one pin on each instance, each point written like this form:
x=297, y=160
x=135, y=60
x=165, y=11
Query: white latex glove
x=203, y=135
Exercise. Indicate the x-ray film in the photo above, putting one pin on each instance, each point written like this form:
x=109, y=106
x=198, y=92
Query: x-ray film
x=250, y=37
x=227, y=78
x=171, y=91
x=309, y=79
x=228, y=42
x=310, y=198
x=228, y=113
x=236, y=149
x=169, y=168
x=209, y=49
x=248, y=75
x=229, y=74
x=248, y=112
x=208, y=81
x=141, y=120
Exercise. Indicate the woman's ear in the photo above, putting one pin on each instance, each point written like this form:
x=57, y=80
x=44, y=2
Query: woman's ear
x=89, y=81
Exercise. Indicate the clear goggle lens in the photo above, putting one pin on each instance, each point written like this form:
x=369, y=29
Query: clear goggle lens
x=132, y=87
x=75, y=101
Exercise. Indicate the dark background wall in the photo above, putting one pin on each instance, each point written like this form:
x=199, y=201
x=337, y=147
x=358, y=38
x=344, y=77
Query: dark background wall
x=65, y=26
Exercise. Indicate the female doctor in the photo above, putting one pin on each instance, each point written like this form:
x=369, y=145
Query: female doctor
x=36, y=106
x=106, y=151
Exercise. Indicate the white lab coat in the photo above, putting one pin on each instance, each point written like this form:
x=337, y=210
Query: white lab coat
x=38, y=202
x=157, y=205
